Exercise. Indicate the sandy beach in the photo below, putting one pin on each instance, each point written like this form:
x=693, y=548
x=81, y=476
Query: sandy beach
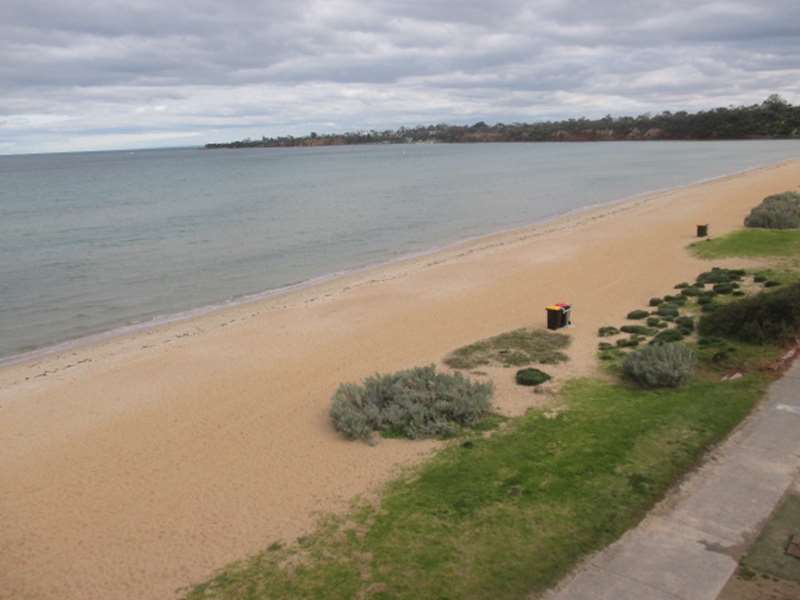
x=138, y=465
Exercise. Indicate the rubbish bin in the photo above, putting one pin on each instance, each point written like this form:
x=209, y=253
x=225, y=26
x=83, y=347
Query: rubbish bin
x=702, y=230
x=554, y=317
x=566, y=314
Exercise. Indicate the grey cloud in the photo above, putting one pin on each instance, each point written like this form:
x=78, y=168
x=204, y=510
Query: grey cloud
x=77, y=74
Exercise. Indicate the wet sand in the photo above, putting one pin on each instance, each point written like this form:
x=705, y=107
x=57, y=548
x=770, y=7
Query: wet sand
x=138, y=465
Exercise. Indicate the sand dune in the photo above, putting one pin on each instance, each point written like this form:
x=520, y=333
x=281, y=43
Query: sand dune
x=135, y=466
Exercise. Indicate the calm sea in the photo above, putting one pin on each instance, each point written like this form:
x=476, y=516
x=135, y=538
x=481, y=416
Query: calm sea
x=90, y=242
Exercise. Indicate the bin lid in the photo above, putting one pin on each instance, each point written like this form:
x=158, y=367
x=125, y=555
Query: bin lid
x=563, y=305
x=553, y=307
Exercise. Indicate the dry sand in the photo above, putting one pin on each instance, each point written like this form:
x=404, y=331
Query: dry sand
x=135, y=466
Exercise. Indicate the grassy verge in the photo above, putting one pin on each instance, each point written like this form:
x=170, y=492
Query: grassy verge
x=750, y=243
x=510, y=514
x=518, y=348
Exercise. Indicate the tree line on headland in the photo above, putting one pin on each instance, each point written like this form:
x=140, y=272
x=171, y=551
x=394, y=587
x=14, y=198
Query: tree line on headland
x=773, y=118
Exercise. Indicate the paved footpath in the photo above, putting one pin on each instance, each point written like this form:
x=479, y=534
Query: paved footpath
x=688, y=547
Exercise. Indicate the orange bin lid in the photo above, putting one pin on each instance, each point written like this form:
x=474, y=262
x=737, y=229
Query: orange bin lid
x=553, y=307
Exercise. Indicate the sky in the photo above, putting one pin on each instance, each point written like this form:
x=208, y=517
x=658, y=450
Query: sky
x=106, y=74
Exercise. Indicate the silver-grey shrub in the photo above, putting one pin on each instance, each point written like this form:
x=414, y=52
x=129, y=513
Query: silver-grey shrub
x=416, y=403
x=662, y=365
x=781, y=211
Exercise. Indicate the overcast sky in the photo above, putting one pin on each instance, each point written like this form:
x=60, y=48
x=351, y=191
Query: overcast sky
x=102, y=74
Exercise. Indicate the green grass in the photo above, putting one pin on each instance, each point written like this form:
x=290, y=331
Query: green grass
x=750, y=243
x=507, y=515
x=516, y=348
x=768, y=555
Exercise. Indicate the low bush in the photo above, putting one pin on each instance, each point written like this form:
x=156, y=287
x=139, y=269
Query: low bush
x=604, y=346
x=682, y=285
x=709, y=308
x=607, y=331
x=628, y=342
x=655, y=301
x=668, y=311
x=780, y=211
x=666, y=365
x=638, y=330
x=685, y=323
x=667, y=337
x=771, y=316
x=678, y=300
x=653, y=321
x=720, y=275
x=691, y=291
x=759, y=278
x=723, y=288
x=769, y=284
x=738, y=293
x=416, y=403
x=705, y=300
x=637, y=314
x=531, y=376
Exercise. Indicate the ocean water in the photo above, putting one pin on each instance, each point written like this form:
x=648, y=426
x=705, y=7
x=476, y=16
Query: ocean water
x=90, y=242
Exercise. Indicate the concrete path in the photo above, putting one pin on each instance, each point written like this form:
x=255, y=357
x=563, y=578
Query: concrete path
x=689, y=546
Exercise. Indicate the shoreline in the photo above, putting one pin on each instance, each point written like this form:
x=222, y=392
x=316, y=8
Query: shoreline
x=159, y=321
x=140, y=465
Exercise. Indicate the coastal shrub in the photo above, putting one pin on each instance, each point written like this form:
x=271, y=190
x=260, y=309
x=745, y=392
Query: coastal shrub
x=655, y=301
x=416, y=403
x=705, y=300
x=604, y=346
x=628, y=342
x=531, y=376
x=667, y=337
x=637, y=314
x=516, y=348
x=738, y=293
x=653, y=321
x=759, y=278
x=720, y=275
x=723, y=288
x=691, y=292
x=769, y=284
x=709, y=308
x=638, y=330
x=679, y=300
x=769, y=316
x=780, y=211
x=685, y=323
x=682, y=285
x=607, y=331
x=667, y=365
x=668, y=311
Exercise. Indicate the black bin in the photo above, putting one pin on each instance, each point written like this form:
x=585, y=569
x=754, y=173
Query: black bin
x=702, y=230
x=555, y=317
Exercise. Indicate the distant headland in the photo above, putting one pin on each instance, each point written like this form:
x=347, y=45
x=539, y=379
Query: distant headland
x=774, y=118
